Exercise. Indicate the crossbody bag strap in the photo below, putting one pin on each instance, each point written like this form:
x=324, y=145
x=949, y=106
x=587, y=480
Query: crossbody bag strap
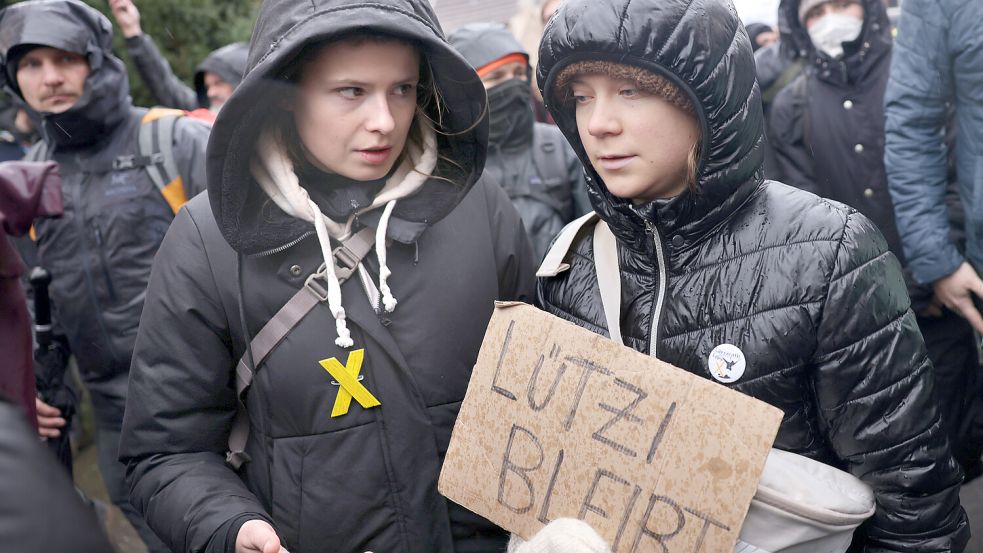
x=608, y=278
x=346, y=257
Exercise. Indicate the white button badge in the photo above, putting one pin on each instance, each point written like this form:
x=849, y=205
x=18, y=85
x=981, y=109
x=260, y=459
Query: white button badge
x=727, y=363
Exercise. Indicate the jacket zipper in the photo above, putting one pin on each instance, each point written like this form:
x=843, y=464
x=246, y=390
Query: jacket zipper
x=104, y=263
x=87, y=269
x=662, y=285
x=284, y=247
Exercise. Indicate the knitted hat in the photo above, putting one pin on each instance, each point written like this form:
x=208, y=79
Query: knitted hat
x=648, y=81
x=806, y=5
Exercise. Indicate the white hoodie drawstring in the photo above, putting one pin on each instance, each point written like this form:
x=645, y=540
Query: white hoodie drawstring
x=388, y=301
x=344, y=338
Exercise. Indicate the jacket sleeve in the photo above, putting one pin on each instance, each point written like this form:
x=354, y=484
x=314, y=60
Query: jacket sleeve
x=875, y=400
x=181, y=403
x=41, y=509
x=920, y=85
x=513, y=251
x=156, y=73
x=786, y=134
x=190, y=141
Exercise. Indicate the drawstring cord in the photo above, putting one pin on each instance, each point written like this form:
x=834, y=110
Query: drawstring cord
x=344, y=338
x=388, y=301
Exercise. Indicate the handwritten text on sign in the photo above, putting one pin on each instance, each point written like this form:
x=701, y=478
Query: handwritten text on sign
x=561, y=422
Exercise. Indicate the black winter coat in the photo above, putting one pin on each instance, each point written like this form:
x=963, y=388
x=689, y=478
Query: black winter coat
x=100, y=251
x=365, y=480
x=40, y=510
x=827, y=127
x=805, y=287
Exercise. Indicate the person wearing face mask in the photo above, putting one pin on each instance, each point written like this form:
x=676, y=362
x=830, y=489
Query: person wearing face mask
x=827, y=129
x=530, y=160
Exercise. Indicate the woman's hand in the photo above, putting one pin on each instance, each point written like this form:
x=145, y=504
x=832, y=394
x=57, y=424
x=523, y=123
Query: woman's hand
x=563, y=535
x=257, y=536
x=50, y=421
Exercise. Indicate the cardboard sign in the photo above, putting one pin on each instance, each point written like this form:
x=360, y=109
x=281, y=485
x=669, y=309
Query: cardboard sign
x=561, y=422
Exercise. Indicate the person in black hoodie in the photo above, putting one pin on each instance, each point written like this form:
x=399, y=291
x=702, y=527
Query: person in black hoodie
x=768, y=290
x=354, y=119
x=828, y=129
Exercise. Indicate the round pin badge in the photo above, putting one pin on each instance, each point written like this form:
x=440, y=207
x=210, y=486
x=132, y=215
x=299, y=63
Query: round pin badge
x=727, y=363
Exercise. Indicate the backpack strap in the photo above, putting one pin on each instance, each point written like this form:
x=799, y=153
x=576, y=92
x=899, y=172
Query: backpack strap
x=156, y=144
x=608, y=278
x=554, y=262
x=347, y=258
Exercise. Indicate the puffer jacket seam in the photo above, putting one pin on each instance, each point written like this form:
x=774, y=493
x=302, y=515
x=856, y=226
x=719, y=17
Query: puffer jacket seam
x=832, y=270
x=775, y=373
x=621, y=23
x=826, y=356
x=936, y=425
x=729, y=321
x=662, y=51
x=878, y=257
x=386, y=7
x=922, y=368
x=571, y=317
x=720, y=262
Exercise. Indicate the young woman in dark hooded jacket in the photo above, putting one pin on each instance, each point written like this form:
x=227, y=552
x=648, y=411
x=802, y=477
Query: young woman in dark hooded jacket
x=769, y=290
x=354, y=120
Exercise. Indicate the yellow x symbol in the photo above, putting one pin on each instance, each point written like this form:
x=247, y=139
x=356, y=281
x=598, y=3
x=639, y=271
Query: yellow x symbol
x=347, y=377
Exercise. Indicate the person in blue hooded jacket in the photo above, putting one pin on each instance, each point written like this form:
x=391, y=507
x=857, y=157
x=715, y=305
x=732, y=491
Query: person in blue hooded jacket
x=937, y=66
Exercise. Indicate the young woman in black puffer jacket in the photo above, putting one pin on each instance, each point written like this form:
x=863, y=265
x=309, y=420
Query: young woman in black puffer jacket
x=771, y=291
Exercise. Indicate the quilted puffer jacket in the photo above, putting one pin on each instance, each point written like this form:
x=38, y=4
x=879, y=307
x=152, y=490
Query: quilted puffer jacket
x=803, y=286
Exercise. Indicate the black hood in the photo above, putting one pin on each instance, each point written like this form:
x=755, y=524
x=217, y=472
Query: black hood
x=858, y=58
x=74, y=27
x=228, y=62
x=702, y=47
x=282, y=30
x=483, y=43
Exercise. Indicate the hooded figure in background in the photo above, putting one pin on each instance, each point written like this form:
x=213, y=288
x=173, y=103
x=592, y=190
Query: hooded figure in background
x=57, y=59
x=215, y=77
x=828, y=130
x=354, y=119
x=530, y=160
x=715, y=259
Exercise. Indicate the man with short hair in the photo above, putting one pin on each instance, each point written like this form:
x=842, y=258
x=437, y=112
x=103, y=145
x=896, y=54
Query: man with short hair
x=215, y=78
x=57, y=58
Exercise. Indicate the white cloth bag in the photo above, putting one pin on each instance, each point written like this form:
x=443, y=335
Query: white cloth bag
x=804, y=506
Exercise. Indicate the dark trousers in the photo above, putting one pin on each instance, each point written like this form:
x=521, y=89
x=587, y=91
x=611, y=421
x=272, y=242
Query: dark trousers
x=108, y=403
x=955, y=357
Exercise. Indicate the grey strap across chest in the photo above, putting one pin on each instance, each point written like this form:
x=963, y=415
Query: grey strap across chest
x=346, y=257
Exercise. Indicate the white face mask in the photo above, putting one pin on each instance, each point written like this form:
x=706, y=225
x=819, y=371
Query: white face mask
x=830, y=32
